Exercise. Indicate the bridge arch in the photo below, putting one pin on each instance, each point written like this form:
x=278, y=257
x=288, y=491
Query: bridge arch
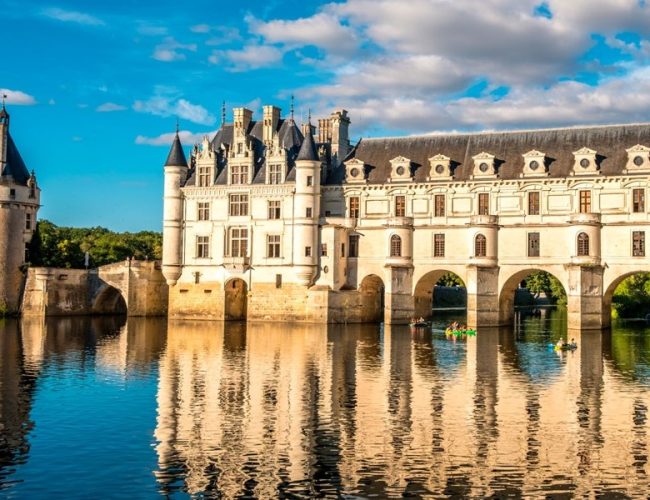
x=424, y=285
x=610, y=289
x=109, y=300
x=236, y=300
x=371, y=290
x=509, y=283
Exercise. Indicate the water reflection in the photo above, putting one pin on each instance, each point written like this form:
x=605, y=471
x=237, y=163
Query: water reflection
x=267, y=410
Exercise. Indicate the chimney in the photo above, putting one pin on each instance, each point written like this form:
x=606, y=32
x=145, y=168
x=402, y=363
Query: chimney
x=324, y=130
x=270, y=123
x=242, y=120
x=308, y=128
x=339, y=123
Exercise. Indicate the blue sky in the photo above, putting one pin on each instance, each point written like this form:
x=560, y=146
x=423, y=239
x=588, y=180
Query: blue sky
x=95, y=87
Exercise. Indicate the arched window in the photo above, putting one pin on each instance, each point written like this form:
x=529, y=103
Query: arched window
x=583, y=245
x=395, y=246
x=480, y=246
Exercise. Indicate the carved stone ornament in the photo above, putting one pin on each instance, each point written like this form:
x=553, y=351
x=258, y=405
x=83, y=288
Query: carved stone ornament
x=484, y=165
x=585, y=162
x=440, y=168
x=401, y=169
x=354, y=171
x=534, y=164
x=638, y=159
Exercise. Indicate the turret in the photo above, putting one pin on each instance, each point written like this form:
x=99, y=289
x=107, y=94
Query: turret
x=19, y=203
x=307, y=210
x=175, y=176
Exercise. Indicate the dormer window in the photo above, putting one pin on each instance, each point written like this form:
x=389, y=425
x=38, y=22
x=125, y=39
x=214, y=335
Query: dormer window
x=440, y=168
x=534, y=164
x=484, y=165
x=275, y=173
x=585, y=162
x=638, y=159
x=401, y=169
x=239, y=174
x=354, y=171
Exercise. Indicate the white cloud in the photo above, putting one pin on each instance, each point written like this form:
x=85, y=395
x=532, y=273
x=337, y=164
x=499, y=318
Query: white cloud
x=200, y=28
x=18, y=97
x=171, y=50
x=152, y=30
x=166, y=103
x=187, y=138
x=108, y=107
x=72, y=16
x=249, y=57
x=323, y=30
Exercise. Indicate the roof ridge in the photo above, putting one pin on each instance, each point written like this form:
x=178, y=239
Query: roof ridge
x=454, y=133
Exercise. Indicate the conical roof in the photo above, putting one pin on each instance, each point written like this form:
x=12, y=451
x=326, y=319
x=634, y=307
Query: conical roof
x=308, y=148
x=176, y=156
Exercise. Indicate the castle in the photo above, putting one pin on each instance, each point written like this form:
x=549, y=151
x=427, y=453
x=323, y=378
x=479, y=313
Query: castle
x=19, y=203
x=272, y=221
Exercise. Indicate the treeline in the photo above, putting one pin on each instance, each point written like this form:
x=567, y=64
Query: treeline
x=54, y=246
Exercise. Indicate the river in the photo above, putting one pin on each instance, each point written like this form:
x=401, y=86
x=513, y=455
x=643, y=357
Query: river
x=105, y=407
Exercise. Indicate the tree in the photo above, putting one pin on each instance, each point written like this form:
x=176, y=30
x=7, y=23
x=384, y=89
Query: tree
x=54, y=246
x=450, y=279
x=632, y=297
x=542, y=282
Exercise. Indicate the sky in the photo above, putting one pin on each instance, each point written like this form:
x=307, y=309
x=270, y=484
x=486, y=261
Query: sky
x=94, y=88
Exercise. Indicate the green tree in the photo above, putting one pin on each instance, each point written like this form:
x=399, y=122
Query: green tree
x=542, y=282
x=632, y=297
x=450, y=279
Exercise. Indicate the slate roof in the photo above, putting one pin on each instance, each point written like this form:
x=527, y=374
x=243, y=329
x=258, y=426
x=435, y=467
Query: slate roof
x=15, y=166
x=308, y=148
x=610, y=143
x=176, y=156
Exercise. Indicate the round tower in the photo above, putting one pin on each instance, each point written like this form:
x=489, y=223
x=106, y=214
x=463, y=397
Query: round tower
x=19, y=203
x=175, y=176
x=307, y=211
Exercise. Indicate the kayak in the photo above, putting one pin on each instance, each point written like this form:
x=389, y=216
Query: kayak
x=563, y=347
x=457, y=333
x=419, y=324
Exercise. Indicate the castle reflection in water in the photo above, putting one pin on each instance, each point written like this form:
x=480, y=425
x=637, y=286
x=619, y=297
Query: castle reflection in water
x=272, y=409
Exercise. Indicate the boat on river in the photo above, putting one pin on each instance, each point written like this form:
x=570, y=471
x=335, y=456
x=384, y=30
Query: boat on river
x=419, y=324
x=460, y=332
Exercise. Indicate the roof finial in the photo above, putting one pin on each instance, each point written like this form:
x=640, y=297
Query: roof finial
x=309, y=115
x=4, y=98
x=223, y=113
x=177, y=125
x=291, y=107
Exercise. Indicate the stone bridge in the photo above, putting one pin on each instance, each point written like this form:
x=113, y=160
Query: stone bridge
x=135, y=288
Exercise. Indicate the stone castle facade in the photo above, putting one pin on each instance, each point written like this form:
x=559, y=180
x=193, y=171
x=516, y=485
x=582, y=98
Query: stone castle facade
x=269, y=220
x=19, y=204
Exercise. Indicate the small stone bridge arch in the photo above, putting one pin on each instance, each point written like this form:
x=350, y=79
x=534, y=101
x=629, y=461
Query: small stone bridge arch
x=135, y=288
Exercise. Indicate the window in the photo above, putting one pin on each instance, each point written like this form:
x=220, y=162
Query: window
x=400, y=206
x=638, y=200
x=533, y=203
x=240, y=148
x=438, y=245
x=28, y=221
x=307, y=251
x=585, y=202
x=274, y=209
x=480, y=246
x=204, y=210
x=484, y=204
x=583, y=245
x=353, y=245
x=275, y=174
x=239, y=174
x=278, y=281
x=310, y=180
x=308, y=212
x=238, y=242
x=238, y=204
x=354, y=207
x=204, y=175
x=32, y=191
x=342, y=249
x=273, y=246
x=202, y=247
x=439, y=200
x=323, y=249
x=395, y=246
x=12, y=194
x=638, y=243
x=533, y=244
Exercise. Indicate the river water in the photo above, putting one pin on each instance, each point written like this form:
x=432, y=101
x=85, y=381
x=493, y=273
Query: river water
x=105, y=407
